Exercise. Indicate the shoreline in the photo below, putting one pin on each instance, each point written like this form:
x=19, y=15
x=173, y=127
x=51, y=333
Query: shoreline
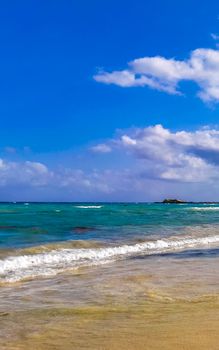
x=88, y=280
x=152, y=304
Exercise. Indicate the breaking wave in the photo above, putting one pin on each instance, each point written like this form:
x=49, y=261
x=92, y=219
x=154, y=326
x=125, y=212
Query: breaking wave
x=16, y=268
x=205, y=208
x=88, y=206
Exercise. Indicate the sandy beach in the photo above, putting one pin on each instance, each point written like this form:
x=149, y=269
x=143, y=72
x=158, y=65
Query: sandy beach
x=155, y=325
x=145, y=303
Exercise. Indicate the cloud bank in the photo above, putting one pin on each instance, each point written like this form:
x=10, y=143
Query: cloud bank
x=153, y=162
x=24, y=173
x=165, y=74
x=174, y=156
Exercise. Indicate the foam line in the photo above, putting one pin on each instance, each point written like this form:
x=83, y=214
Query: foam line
x=16, y=268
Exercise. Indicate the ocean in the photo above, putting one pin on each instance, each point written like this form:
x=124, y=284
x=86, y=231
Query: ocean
x=74, y=260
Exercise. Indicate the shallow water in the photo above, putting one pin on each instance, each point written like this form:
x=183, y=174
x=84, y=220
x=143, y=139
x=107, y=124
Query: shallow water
x=109, y=276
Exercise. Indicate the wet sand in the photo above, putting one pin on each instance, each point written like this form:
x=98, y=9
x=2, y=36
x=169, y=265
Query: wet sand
x=153, y=325
x=168, y=303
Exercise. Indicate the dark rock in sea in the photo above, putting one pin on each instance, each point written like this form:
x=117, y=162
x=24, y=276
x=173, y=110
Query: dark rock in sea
x=178, y=201
x=173, y=201
x=4, y=227
x=82, y=229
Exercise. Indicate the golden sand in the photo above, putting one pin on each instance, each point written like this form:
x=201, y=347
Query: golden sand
x=152, y=304
x=153, y=325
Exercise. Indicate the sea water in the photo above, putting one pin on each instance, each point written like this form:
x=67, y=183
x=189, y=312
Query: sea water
x=43, y=239
x=63, y=264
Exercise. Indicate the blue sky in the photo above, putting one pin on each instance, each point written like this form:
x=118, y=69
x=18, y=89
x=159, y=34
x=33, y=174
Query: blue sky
x=64, y=115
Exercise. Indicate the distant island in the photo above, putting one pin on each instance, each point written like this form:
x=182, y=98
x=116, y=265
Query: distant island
x=179, y=201
x=173, y=201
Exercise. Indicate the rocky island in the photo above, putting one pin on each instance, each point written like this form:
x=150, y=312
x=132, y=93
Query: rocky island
x=179, y=201
x=173, y=201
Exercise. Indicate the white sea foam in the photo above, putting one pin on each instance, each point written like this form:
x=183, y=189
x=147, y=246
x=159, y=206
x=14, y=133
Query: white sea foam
x=205, y=208
x=88, y=206
x=16, y=268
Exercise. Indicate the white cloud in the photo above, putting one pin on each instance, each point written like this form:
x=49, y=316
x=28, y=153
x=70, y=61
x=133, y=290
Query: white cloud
x=101, y=148
x=28, y=173
x=180, y=156
x=37, y=175
x=128, y=140
x=147, y=163
x=160, y=73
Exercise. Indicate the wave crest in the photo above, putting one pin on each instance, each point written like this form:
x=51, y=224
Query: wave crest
x=205, y=208
x=89, y=206
x=16, y=268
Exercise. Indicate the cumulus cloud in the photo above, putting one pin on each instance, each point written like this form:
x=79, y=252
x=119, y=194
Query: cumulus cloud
x=28, y=173
x=179, y=156
x=165, y=74
x=144, y=163
x=35, y=175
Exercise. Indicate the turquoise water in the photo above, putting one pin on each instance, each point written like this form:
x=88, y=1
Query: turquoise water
x=29, y=224
x=111, y=231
